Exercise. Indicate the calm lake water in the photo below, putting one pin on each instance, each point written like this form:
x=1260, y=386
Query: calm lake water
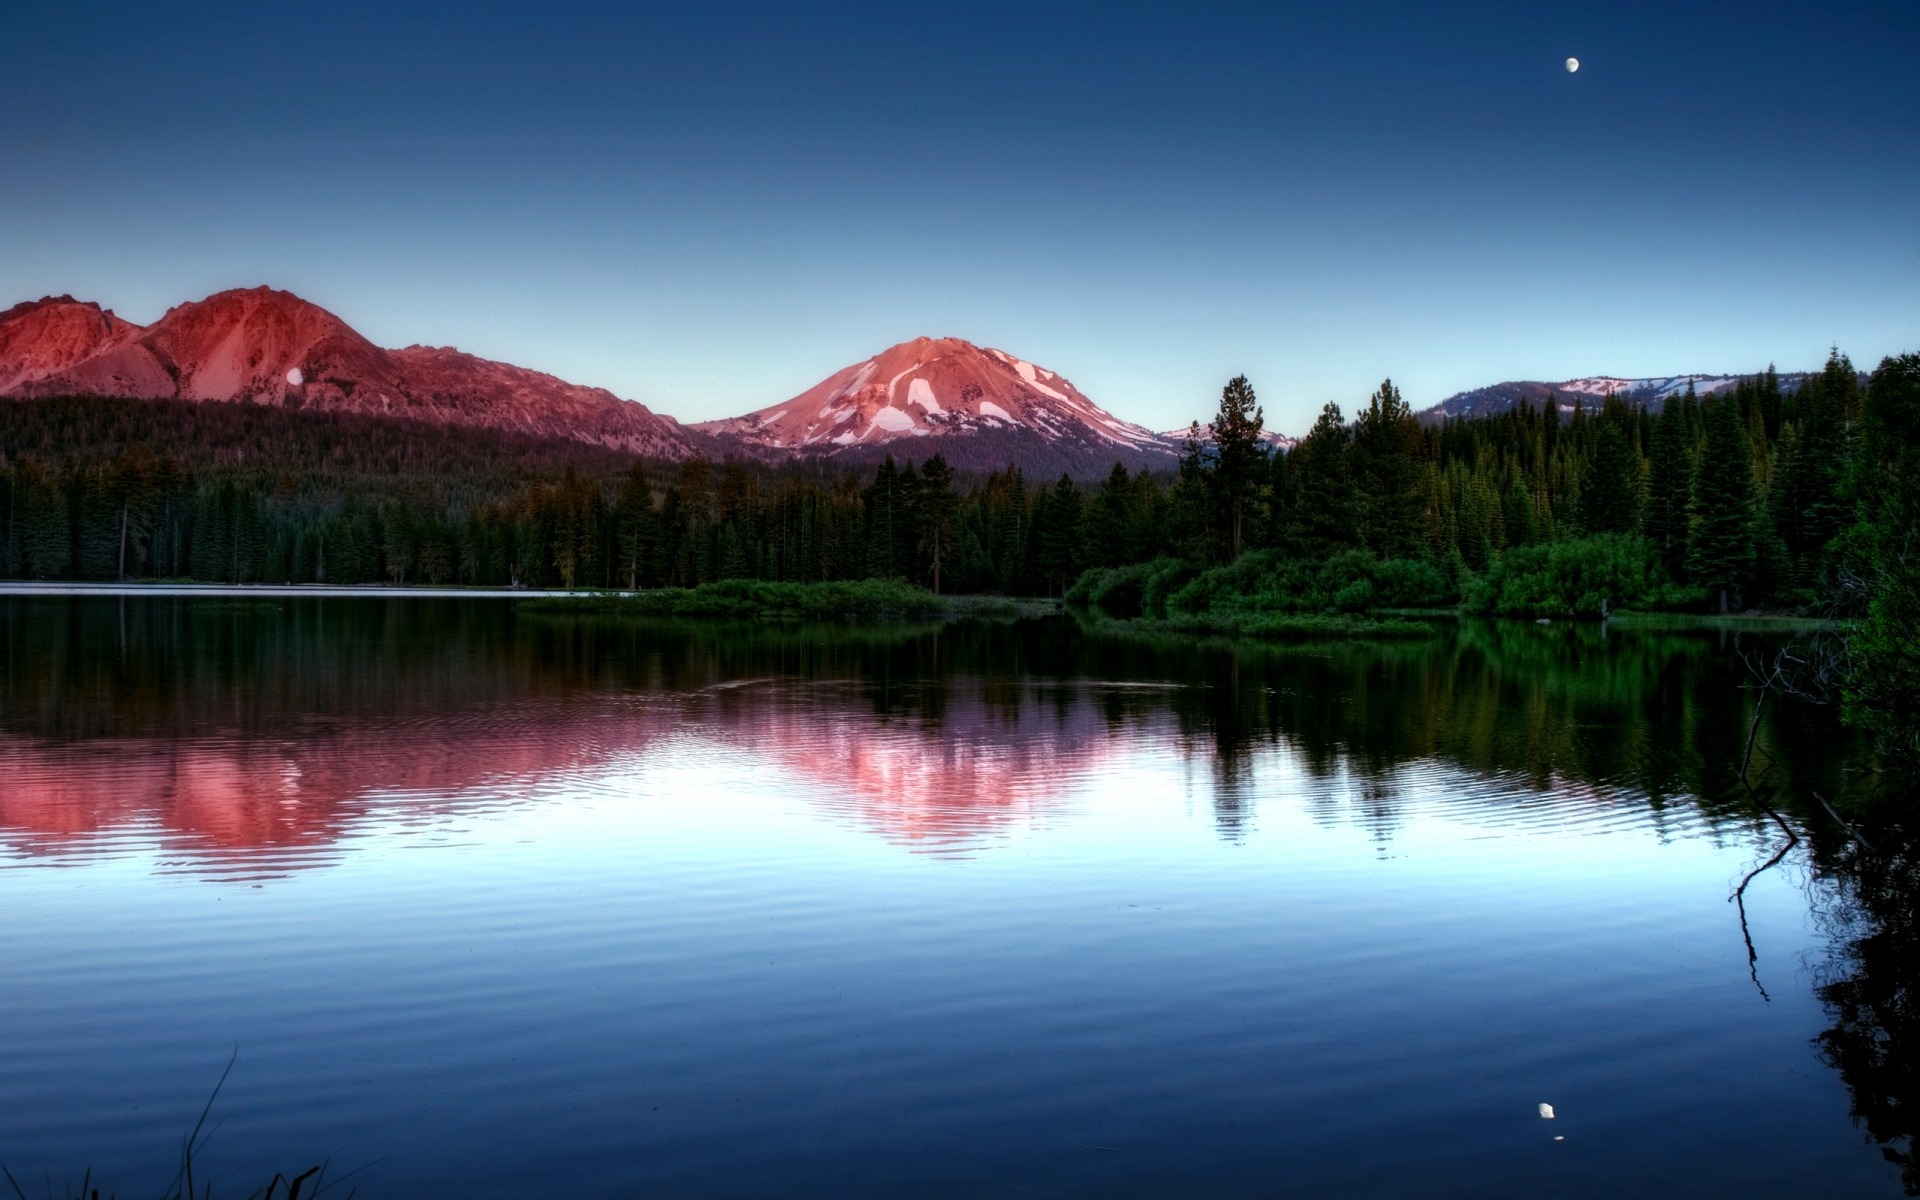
x=510, y=905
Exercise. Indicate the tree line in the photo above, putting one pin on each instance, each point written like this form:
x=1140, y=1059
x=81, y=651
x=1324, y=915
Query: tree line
x=1750, y=494
x=1742, y=493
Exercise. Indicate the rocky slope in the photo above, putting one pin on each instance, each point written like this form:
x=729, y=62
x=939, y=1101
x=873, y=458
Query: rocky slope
x=979, y=408
x=270, y=347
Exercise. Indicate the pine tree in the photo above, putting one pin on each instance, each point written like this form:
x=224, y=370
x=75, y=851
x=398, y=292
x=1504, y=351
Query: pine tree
x=1324, y=519
x=633, y=517
x=1387, y=453
x=1108, y=536
x=1669, y=488
x=1238, y=461
x=1057, y=526
x=1884, y=688
x=884, y=523
x=1722, y=550
x=1193, y=525
x=40, y=521
x=1517, y=513
x=938, y=506
x=1610, y=493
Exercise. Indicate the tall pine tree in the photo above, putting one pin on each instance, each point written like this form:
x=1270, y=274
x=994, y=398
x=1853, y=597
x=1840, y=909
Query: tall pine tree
x=1669, y=487
x=1239, y=466
x=1722, y=551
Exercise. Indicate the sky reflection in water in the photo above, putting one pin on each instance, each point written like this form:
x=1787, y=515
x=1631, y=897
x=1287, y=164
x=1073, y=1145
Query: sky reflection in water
x=516, y=904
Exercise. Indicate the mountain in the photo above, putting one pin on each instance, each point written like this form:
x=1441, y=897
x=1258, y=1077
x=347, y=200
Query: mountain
x=979, y=408
x=59, y=337
x=270, y=347
x=1588, y=392
x=1274, y=439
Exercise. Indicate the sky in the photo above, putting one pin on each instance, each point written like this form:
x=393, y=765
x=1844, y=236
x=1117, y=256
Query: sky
x=710, y=207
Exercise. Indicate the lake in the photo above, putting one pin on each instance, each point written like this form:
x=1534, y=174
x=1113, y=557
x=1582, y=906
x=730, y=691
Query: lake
x=491, y=903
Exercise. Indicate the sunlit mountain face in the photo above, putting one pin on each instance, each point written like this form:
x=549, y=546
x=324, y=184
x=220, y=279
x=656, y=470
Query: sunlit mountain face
x=974, y=405
x=265, y=737
x=261, y=346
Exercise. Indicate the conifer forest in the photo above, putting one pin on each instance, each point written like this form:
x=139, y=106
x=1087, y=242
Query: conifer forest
x=1756, y=497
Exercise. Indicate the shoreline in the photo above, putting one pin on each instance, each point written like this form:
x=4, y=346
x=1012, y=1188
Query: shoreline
x=322, y=590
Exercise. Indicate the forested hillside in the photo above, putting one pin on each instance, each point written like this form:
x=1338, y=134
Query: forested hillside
x=1727, y=502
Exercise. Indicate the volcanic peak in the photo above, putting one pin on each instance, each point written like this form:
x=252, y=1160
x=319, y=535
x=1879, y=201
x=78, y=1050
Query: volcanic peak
x=942, y=388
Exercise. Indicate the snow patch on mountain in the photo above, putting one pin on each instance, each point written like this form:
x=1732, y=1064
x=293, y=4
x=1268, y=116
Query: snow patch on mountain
x=971, y=400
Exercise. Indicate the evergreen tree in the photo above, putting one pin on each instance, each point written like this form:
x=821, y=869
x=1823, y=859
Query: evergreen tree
x=39, y=521
x=1809, y=503
x=1238, y=461
x=1193, y=525
x=1388, y=452
x=938, y=505
x=1884, y=688
x=1669, y=488
x=1610, y=493
x=1324, y=519
x=1517, y=513
x=1108, y=536
x=633, y=517
x=1722, y=551
x=883, y=519
x=1057, y=526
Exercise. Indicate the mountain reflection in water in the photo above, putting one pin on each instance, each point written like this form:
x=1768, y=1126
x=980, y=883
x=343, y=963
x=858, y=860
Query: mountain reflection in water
x=256, y=741
x=270, y=731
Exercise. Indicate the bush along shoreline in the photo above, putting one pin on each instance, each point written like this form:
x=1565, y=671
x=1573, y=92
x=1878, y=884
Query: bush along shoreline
x=1265, y=594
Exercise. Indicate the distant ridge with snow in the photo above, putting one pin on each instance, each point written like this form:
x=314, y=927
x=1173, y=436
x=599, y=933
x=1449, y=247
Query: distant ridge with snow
x=1587, y=392
x=1178, y=438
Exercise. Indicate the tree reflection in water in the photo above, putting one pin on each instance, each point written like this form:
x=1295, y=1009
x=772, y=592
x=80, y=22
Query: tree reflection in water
x=1870, y=984
x=343, y=690
x=332, y=698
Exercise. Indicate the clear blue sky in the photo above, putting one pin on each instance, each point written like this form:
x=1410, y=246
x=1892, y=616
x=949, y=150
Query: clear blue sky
x=710, y=206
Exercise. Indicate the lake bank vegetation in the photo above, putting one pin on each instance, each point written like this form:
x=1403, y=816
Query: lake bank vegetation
x=1790, y=500
x=1804, y=502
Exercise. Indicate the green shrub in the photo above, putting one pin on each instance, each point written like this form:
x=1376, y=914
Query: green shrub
x=1412, y=583
x=1266, y=581
x=1572, y=578
x=1118, y=592
x=1136, y=589
x=1167, y=576
x=1082, y=590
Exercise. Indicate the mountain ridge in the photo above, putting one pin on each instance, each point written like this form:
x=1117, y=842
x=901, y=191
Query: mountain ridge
x=981, y=407
x=1588, y=391
x=262, y=346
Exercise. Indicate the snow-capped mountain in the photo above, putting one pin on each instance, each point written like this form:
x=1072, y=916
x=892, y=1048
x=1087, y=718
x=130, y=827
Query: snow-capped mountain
x=1177, y=438
x=272, y=347
x=979, y=408
x=1587, y=392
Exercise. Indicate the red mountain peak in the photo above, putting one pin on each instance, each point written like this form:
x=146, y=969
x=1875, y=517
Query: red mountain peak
x=44, y=337
x=272, y=347
x=943, y=387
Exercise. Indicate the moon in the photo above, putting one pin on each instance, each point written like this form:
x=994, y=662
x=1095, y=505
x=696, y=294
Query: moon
x=295, y=377
x=1573, y=64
